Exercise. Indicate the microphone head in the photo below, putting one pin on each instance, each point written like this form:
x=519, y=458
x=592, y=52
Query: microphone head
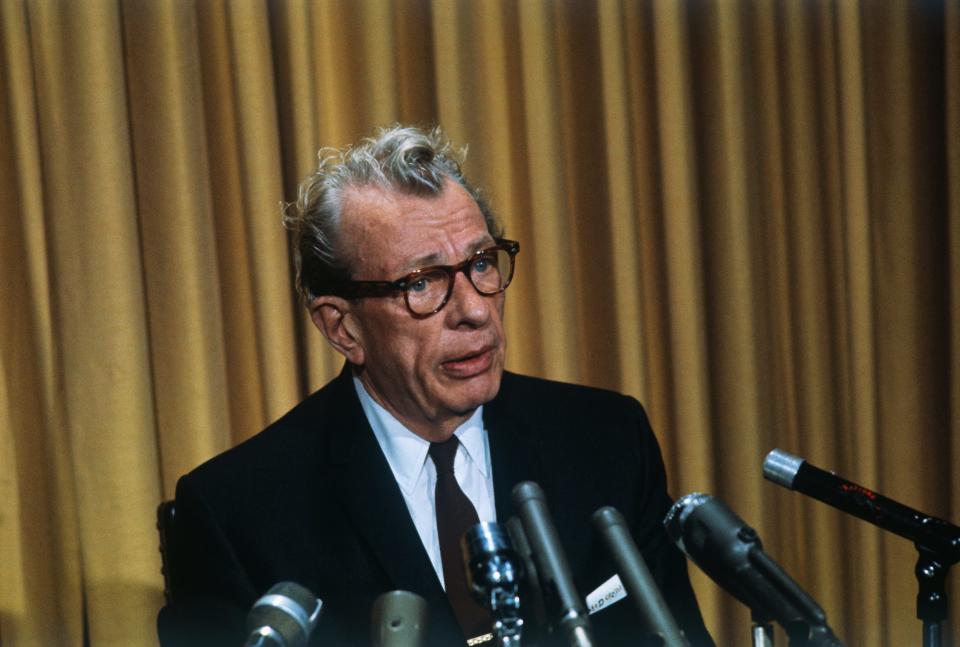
x=286, y=615
x=781, y=467
x=716, y=539
x=701, y=524
x=609, y=517
x=527, y=491
x=399, y=619
x=676, y=517
x=490, y=561
x=494, y=575
x=487, y=537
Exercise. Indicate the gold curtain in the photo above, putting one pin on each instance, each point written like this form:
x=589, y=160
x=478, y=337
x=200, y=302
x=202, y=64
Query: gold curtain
x=746, y=214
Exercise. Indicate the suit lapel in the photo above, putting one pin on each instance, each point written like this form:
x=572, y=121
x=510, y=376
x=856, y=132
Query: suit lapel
x=519, y=454
x=365, y=485
x=514, y=449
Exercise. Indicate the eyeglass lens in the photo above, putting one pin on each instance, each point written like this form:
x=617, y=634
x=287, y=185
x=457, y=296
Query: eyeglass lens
x=489, y=273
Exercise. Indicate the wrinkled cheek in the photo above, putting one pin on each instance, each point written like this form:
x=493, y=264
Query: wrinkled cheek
x=428, y=383
x=490, y=384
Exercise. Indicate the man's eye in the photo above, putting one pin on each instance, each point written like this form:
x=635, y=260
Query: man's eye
x=481, y=265
x=419, y=285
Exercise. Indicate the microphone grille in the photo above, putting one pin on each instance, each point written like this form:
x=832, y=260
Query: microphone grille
x=296, y=592
x=676, y=517
x=289, y=610
x=485, y=538
x=781, y=467
x=525, y=492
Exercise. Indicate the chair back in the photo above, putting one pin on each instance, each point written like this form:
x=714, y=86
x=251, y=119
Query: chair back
x=166, y=527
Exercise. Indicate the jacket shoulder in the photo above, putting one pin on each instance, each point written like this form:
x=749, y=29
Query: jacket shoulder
x=554, y=398
x=297, y=438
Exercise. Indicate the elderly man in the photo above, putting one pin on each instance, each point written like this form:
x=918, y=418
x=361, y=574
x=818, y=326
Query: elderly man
x=365, y=486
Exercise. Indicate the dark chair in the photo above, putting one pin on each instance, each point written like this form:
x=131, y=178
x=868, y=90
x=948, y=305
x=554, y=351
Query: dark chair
x=196, y=621
x=166, y=527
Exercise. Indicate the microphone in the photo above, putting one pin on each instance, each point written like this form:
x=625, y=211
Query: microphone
x=494, y=572
x=531, y=506
x=730, y=552
x=930, y=533
x=284, y=616
x=399, y=619
x=636, y=576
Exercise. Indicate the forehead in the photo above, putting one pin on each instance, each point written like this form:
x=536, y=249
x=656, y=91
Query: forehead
x=386, y=233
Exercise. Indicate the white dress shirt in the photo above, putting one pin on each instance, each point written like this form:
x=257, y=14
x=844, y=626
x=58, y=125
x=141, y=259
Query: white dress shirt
x=416, y=474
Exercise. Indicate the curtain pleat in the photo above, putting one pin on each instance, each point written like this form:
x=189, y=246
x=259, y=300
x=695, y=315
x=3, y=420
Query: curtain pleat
x=681, y=266
x=232, y=251
x=551, y=258
x=682, y=262
x=623, y=231
x=744, y=214
x=177, y=235
x=100, y=321
x=40, y=543
x=859, y=388
x=258, y=155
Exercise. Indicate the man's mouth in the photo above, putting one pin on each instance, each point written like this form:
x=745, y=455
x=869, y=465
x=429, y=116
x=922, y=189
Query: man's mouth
x=470, y=364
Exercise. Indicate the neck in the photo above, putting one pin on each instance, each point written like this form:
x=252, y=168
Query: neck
x=434, y=429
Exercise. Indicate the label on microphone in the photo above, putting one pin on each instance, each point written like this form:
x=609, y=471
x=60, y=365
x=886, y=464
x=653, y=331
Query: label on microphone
x=608, y=593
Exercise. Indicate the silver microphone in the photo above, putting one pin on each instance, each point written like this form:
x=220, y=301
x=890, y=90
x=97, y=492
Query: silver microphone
x=284, y=616
x=494, y=572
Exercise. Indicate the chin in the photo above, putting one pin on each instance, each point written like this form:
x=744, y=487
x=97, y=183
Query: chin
x=478, y=392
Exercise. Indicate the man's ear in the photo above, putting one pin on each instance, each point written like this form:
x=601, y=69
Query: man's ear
x=335, y=318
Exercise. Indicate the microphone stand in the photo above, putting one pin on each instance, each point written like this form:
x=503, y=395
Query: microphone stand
x=931, y=574
x=762, y=630
x=936, y=540
x=935, y=556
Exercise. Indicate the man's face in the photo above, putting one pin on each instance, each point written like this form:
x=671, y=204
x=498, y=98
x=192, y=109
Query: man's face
x=433, y=372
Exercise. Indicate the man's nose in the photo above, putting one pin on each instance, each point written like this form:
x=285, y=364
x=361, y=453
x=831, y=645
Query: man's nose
x=467, y=305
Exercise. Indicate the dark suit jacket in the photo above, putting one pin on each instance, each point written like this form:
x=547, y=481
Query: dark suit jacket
x=312, y=499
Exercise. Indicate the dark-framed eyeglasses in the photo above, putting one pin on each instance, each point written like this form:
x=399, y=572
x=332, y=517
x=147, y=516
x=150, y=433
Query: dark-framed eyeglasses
x=428, y=289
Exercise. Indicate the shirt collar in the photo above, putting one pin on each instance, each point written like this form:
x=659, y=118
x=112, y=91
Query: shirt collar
x=406, y=452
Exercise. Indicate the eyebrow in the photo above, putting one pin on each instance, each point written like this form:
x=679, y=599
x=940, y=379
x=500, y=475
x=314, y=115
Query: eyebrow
x=435, y=258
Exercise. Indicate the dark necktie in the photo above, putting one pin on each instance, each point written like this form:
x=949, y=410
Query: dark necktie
x=455, y=515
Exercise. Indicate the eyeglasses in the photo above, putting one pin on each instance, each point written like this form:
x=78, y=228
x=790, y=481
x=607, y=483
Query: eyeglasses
x=428, y=289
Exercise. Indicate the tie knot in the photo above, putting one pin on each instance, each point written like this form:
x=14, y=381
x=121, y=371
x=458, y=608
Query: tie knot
x=443, y=454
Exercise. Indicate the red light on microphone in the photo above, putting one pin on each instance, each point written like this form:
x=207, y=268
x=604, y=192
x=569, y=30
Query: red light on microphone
x=858, y=489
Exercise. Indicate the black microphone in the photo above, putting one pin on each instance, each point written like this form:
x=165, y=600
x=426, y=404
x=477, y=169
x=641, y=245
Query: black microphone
x=551, y=561
x=636, y=576
x=494, y=573
x=933, y=534
x=399, y=619
x=730, y=552
x=284, y=616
